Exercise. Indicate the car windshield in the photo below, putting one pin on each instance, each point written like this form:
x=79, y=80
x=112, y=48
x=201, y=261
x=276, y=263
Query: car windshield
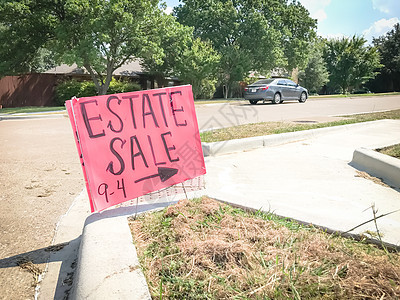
x=263, y=81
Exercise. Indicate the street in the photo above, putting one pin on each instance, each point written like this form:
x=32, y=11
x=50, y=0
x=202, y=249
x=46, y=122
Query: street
x=313, y=110
x=40, y=177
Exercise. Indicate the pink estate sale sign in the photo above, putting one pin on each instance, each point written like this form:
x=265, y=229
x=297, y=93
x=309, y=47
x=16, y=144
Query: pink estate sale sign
x=135, y=143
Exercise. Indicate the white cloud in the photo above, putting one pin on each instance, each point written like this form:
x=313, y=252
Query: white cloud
x=386, y=6
x=169, y=10
x=320, y=15
x=316, y=8
x=379, y=28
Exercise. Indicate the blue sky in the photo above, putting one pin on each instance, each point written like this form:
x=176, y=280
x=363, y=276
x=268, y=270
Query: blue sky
x=338, y=18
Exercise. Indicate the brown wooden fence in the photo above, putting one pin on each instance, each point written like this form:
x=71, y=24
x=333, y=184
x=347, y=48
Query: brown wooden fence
x=27, y=90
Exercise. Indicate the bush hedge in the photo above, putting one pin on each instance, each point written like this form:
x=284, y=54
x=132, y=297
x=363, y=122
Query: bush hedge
x=70, y=88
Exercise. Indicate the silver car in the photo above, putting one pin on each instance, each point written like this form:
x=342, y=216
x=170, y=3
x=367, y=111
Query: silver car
x=276, y=90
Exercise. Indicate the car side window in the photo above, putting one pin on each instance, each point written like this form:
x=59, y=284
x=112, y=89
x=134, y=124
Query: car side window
x=290, y=83
x=281, y=82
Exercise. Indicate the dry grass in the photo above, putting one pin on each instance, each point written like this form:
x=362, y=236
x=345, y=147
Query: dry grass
x=365, y=175
x=391, y=150
x=267, y=128
x=203, y=249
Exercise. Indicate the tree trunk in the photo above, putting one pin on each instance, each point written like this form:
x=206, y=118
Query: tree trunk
x=101, y=86
x=225, y=90
x=106, y=84
x=95, y=78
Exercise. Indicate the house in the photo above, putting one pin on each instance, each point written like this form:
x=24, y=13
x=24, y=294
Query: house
x=38, y=89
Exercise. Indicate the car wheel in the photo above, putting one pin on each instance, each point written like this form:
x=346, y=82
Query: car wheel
x=254, y=102
x=277, y=98
x=303, y=97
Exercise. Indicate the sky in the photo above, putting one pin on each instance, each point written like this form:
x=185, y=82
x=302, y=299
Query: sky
x=338, y=18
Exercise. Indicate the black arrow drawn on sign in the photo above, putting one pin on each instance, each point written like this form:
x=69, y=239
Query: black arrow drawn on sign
x=163, y=173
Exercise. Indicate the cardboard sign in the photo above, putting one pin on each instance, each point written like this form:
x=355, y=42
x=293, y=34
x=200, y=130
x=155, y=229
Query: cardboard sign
x=135, y=143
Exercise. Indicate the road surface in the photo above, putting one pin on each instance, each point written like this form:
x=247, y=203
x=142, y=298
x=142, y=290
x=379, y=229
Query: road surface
x=320, y=110
x=40, y=176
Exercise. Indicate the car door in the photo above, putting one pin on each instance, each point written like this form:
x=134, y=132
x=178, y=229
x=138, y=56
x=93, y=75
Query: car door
x=291, y=89
x=283, y=89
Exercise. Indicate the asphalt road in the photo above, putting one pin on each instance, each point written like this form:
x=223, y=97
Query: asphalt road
x=40, y=176
x=313, y=110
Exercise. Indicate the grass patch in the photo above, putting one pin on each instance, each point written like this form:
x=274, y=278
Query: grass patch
x=217, y=100
x=355, y=95
x=391, y=150
x=204, y=249
x=267, y=128
x=30, y=109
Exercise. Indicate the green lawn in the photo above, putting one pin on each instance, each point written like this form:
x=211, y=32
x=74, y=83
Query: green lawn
x=355, y=95
x=30, y=109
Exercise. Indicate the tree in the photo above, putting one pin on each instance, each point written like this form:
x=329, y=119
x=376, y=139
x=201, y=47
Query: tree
x=315, y=75
x=350, y=63
x=98, y=35
x=389, y=49
x=198, y=67
x=175, y=38
x=298, y=35
x=193, y=61
x=25, y=28
x=250, y=35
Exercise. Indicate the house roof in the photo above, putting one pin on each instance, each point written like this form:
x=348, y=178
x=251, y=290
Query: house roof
x=133, y=69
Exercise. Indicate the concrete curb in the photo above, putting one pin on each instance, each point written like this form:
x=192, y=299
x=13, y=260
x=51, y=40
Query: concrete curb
x=108, y=266
x=218, y=148
x=378, y=165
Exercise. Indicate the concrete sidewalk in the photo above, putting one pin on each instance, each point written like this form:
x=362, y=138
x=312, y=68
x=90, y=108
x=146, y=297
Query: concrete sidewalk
x=312, y=180
x=308, y=178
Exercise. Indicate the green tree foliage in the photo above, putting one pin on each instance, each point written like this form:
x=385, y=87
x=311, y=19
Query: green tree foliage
x=193, y=61
x=389, y=49
x=298, y=35
x=175, y=38
x=25, y=27
x=98, y=35
x=198, y=67
x=250, y=35
x=315, y=75
x=350, y=63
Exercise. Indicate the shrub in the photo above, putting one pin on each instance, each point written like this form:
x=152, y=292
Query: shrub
x=122, y=86
x=70, y=88
x=205, y=89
